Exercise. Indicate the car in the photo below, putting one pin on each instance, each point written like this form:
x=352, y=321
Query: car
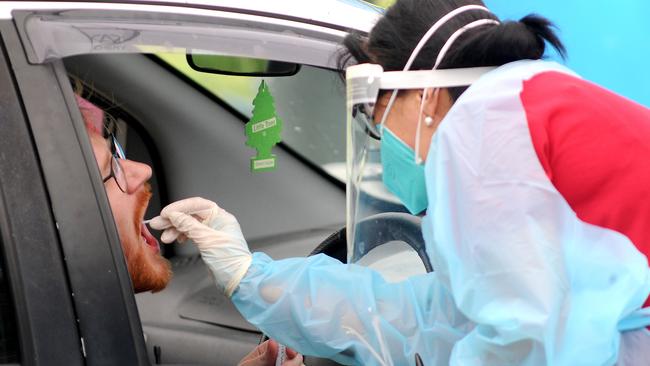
x=65, y=292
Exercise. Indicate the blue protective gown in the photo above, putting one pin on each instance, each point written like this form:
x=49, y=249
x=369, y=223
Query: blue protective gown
x=519, y=279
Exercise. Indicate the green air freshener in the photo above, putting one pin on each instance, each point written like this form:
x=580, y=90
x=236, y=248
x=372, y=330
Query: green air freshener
x=263, y=130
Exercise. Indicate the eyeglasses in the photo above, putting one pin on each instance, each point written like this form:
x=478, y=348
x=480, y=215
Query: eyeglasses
x=363, y=114
x=117, y=172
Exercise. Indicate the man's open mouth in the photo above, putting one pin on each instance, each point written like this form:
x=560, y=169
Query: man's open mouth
x=143, y=201
x=148, y=238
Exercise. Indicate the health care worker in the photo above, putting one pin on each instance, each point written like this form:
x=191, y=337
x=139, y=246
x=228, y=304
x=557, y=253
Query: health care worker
x=536, y=185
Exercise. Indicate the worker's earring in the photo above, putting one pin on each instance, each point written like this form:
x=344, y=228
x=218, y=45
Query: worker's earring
x=428, y=121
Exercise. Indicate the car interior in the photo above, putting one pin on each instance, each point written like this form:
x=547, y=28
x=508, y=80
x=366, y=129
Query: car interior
x=188, y=126
x=179, y=90
x=193, y=138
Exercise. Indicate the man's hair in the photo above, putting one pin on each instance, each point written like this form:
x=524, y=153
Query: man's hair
x=97, y=119
x=93, y=116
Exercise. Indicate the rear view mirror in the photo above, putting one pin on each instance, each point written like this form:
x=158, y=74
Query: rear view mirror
x=240, y=66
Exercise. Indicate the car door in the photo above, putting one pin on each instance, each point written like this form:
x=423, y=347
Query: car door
x=71, y=292
x=109, y=328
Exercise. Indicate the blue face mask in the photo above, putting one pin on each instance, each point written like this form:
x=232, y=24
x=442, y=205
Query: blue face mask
x=401, y=175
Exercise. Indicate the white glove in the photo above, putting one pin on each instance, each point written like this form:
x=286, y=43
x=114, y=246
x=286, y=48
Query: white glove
x=215, y=231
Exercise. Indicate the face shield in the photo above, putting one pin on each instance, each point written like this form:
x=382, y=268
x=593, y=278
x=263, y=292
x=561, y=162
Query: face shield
x=367, y=196
x=369, y=202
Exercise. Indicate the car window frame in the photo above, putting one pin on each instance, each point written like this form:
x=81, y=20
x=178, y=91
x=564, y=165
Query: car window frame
x=124, y=28
x=106, y=314
x=34, y=263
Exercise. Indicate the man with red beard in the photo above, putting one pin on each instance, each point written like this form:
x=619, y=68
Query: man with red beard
x=128, y=194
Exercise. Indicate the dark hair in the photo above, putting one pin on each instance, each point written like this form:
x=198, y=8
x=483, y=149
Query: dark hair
x=396, y=34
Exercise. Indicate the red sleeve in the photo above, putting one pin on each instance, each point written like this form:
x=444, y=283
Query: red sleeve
x=594, y=146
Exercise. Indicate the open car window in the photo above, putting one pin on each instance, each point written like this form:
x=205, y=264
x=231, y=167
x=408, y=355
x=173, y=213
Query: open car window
x=189, y=128
x=311, y=103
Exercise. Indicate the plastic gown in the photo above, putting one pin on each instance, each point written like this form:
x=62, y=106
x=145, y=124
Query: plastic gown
x=519, y=279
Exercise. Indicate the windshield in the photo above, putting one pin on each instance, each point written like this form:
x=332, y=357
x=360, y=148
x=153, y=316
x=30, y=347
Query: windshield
x=310, y=103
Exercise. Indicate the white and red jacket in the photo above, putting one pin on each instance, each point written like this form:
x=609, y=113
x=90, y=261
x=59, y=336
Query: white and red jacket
x=539, y=216
x=537, y=193
x=594, y=146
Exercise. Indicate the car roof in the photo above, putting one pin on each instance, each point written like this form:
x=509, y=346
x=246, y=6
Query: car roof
x=339, y=14
x=348, y=14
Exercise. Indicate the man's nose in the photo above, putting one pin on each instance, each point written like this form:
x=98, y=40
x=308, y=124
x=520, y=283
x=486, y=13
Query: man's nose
x=137, y=174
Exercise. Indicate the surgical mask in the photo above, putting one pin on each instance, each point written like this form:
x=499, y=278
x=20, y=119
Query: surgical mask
x=401, y=174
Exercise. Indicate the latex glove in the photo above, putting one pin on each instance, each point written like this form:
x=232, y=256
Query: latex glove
x=216, y=233
x=266, y=353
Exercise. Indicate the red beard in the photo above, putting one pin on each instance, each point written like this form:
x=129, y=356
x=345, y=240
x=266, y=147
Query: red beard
x=149, y=271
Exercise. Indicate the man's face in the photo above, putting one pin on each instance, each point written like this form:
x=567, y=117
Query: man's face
x=149, y=271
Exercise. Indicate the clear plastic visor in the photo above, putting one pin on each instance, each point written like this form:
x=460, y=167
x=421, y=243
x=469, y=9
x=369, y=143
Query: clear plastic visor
x=366, y=194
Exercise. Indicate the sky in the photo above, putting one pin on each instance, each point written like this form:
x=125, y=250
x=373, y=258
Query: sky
x=608, y=41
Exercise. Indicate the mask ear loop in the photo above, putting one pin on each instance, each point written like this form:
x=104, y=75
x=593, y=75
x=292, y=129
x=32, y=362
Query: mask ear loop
x=425, y=38
x=441, y=56
x=418, y=158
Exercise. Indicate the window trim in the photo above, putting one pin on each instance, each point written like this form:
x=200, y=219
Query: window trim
x=28, y=229
x=106, y=314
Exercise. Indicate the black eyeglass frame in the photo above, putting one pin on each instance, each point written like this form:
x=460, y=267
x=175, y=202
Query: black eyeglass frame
x=115, y=162
x=116, y=150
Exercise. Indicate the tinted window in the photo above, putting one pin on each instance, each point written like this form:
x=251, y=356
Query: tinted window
x=8, y=333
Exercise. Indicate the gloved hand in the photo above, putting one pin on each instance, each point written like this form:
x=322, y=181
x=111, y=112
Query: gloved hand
x=266, y=354
x=215, y=231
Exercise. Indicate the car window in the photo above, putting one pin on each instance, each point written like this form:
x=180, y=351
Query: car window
x=8, y=332
x=311, y=105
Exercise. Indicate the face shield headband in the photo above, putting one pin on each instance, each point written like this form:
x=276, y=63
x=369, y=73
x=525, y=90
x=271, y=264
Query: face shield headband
x=367, y=108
